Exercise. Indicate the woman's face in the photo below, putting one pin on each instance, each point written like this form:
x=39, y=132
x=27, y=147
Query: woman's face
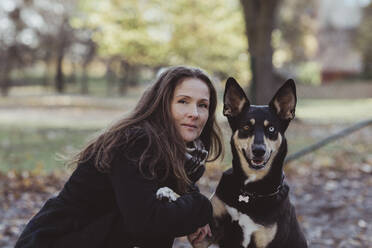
x=190, y=108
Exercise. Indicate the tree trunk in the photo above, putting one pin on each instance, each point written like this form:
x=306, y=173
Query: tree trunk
x=60, y=86
x=46, y=74
x=259, y=17
x=5, y=81
x=367, y=63
x=72, y=78
x=64, y=40
x=125, y=69
x=84, y=81
x=87, y=60
x=110, y=77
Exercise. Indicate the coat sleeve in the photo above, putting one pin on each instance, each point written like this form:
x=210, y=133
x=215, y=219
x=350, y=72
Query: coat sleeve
x=146, y=216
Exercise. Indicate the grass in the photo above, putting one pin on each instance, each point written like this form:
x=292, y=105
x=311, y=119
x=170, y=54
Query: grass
x=31, y=142
x=97, y=87
x=36, y=148
x=335, y=110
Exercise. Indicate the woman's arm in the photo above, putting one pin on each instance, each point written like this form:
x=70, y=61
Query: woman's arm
x=146, y=216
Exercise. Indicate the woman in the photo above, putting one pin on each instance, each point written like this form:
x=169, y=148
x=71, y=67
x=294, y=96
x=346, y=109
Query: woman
x=110, y=199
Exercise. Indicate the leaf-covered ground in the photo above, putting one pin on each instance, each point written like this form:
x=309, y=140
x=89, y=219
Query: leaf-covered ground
x=330, y=188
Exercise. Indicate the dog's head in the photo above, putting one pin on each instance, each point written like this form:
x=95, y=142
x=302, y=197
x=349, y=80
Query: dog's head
x=258, y=131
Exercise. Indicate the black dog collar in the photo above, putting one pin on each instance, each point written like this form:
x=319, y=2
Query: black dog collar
x=231, y=190
x=246, y=196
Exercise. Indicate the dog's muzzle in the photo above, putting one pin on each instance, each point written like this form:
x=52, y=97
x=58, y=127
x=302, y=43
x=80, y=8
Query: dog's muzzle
x=256, y=163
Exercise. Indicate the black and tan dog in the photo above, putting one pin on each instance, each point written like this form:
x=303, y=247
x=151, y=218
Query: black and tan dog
x=251, y=207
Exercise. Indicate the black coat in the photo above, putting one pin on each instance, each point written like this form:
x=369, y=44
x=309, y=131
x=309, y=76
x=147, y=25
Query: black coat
x=116, y=209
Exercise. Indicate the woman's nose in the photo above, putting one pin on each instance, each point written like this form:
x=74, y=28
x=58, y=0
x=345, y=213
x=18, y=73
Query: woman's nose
x=193, y=112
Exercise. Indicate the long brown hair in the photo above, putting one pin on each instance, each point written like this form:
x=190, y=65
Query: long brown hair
x=153, y=116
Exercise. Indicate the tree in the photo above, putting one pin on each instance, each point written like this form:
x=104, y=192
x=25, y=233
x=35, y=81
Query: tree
x=209, y=34
x=122, y=32
x=297, y=30
x=65, y=36
x=364, y=39
x=13, y=51
x=34, y=31
x=154, y=33
x=260, y=17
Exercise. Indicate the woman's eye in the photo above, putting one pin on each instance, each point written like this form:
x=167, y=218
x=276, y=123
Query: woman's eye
x=182, y=101
x=203, y=105
x=271, y=129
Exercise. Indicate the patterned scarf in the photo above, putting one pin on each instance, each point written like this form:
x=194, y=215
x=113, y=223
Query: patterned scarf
x=196, y=155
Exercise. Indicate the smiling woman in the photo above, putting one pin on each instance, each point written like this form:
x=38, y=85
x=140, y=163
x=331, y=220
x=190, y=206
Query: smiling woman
x=111, y=198
x=189, y=108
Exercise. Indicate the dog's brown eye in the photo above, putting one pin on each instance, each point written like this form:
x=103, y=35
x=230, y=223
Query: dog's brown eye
x=246, y=128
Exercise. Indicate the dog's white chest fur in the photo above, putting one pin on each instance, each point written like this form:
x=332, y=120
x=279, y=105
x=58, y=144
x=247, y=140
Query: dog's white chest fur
x=263, y=235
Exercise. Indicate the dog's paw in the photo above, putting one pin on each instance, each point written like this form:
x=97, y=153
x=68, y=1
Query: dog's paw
x=166, y=193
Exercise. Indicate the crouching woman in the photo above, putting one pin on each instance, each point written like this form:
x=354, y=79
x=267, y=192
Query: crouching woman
x=111, y=200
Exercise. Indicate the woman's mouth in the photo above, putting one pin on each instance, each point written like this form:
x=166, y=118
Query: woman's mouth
x=189, y=126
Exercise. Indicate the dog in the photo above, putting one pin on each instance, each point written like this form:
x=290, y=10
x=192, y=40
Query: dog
x=251, y=206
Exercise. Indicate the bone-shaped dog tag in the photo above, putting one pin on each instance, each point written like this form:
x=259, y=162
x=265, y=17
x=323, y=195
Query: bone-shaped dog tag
x=243, y=198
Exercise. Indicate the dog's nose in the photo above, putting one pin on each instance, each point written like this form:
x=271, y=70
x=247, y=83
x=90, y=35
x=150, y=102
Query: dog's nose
x=258, y=150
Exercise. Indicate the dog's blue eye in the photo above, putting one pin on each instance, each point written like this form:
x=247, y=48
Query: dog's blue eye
x=271, y=129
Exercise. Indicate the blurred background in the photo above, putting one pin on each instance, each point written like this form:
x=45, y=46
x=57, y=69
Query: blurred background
x=69, y=68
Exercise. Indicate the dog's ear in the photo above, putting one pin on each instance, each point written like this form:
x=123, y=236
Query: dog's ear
x=234, y=98
x=284, y=101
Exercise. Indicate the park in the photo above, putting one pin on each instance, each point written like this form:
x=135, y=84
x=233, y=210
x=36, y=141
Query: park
x=69, y=69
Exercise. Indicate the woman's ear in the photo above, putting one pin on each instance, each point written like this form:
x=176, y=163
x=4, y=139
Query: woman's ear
x=234, y=98
x=284, y=101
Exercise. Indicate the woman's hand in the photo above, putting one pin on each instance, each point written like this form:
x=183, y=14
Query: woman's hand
x=200, y=234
